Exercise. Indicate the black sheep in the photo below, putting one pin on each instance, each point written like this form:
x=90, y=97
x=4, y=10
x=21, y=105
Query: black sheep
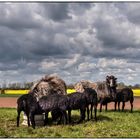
x=54, y=102
x=124, y=95
x=44, y=86
x=82, y=101
x=77, y=100
x=46, y=104
x=27, y=103
x=91, y=96
x=22, y=105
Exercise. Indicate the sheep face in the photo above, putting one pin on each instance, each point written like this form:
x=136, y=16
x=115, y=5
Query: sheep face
x=111, y=81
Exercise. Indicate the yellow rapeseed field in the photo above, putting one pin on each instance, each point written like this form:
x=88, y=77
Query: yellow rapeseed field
x=10, y=91
x=71, y=90
x=135, y=91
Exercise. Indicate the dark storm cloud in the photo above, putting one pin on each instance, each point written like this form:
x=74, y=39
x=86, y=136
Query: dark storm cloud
x=17, y=16
x=56, y=11
x=74, y=40
x=80, y=8
x=131, y=10
x=12, y=47
x=112, y=35
x=49, y=50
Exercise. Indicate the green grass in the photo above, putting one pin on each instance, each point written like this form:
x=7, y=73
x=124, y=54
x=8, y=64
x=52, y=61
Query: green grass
x=10, y=95
x=109, y=125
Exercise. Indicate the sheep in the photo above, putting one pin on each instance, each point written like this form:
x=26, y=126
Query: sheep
x=46, y=104
x=27, y=103
x=111, y=84
x=106, y=90
x=22, y=105
x=82, y=101
x=44, y=86
x=54, y=102
x=124, y=95
x=31, y=106
x=91, y=96
x=77, y=100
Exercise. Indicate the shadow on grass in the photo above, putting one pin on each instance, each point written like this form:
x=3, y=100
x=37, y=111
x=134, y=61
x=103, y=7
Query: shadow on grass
x=103, y=118
x=74, y=121
x=125, y=111
x=100, y=117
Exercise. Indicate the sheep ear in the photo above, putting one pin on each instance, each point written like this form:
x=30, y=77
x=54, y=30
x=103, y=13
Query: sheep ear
x=107, y=77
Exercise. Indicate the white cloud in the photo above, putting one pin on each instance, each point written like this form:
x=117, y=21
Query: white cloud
x=73, y=61
x=107, y=63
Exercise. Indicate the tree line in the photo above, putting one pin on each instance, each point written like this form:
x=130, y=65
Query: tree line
x=17, y=85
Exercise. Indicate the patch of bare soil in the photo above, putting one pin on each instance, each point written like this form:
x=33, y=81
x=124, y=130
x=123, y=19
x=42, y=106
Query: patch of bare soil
x=11, y=102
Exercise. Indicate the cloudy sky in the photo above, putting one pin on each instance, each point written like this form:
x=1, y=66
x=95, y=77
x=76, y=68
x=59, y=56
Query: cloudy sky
x=77, y=41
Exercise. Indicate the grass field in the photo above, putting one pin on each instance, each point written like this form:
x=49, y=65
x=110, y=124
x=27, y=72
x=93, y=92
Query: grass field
x=109, y=125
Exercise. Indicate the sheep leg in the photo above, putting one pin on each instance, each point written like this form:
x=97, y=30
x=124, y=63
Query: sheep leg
x=123, y=105
x=46, y=118
x=118, y=106
x=95, y=112
x=69, y=115
x=32, y=118
x=88, y=113
x=91, y=109
x=115, y=105
x=60, y=119
x=131, y=102
x=65, y=117
x=18, y=117
x=82, y=115
x=106, y=107
x=28, y=120
x=101, y=107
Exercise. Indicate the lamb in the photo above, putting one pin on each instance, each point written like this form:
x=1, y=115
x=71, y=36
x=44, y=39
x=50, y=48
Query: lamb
x=91, y=96
x=54, y=102
x=22, y=105
x=77, y=100
x=82, y=101
x=124, y=95
x=26, y=103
